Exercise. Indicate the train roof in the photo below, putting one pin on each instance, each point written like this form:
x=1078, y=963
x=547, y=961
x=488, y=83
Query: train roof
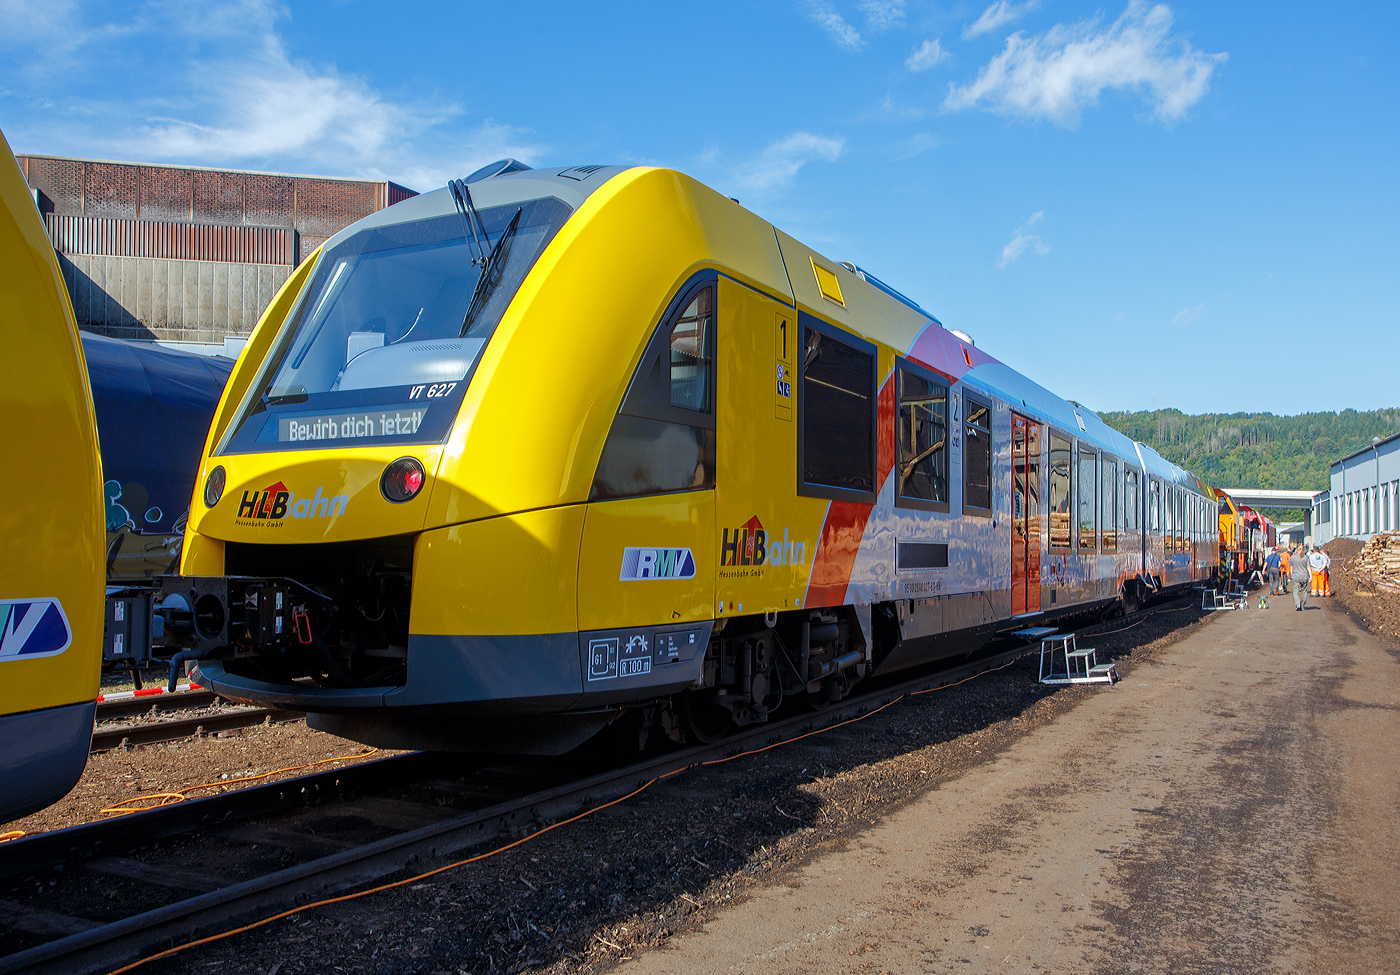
x=892, y=316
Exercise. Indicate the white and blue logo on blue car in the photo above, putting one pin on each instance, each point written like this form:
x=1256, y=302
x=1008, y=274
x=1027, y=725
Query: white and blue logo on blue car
x=657, y=563
x=32, y=628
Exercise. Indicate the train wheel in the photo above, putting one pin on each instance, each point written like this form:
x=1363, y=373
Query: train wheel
x=704, y=721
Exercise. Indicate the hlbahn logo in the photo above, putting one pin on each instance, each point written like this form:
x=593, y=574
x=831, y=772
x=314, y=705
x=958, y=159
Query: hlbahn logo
x=656, y=563
x=749, y=546
x=272, y=504
x=33, y=628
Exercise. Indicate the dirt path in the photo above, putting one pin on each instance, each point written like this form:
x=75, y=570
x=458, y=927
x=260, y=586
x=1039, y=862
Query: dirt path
x=1231, y=806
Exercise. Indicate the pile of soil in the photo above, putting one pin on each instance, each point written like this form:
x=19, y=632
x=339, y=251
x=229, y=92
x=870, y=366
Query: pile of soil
x=1377, y=608
x=583, y=897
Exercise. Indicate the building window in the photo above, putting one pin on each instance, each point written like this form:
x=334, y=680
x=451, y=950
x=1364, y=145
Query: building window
x=977, y=457
x=663, y=437
x=1111, y=523
x=1088, y=499
x=1059, y=494
x=923, y=440
x=836, y=414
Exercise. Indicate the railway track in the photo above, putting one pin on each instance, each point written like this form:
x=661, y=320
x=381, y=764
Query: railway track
x=187, y=897
x=108, y=735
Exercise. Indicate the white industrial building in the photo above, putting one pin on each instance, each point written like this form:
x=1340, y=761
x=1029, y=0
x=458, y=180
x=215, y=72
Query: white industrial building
x=1365, y=494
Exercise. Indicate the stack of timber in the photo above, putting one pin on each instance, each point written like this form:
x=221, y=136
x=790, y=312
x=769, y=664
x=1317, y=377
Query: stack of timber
x=1379, y=558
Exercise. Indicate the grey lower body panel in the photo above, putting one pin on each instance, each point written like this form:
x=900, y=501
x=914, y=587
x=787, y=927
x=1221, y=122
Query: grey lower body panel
x=44, y=756
x=538, y=693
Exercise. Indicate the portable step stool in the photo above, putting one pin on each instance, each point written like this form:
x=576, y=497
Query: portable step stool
x=1080, y=665
x=1213, y=599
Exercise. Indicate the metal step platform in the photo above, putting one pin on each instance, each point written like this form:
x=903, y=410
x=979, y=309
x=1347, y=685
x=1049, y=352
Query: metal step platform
x=1080, y=666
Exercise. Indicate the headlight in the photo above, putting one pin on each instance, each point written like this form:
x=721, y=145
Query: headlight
x=402, y=480
x=214, y=487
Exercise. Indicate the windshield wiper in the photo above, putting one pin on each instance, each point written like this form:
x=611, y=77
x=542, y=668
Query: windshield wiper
x=491, y=276
x=466, y=210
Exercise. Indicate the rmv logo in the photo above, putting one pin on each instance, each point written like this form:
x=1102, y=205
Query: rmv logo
x=31, y=628
x=657, y=563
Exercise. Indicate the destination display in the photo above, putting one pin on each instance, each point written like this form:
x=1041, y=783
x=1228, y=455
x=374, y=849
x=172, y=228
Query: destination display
x=350, y=426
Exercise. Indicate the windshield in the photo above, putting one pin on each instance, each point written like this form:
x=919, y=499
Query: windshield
x=378, y=349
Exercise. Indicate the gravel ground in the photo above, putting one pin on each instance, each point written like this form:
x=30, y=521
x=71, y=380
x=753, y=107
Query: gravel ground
x=116, y=775
x=584, y=897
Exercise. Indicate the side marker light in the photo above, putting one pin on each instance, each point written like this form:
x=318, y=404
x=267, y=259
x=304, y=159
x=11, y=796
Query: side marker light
x=214, y=487
x=402, y=480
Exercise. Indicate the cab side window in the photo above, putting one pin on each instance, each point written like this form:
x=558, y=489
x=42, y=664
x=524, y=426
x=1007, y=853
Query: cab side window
x=663, y=437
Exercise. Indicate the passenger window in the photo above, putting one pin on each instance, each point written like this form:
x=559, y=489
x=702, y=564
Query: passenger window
x=1088, y=498
x=1154, y=506
x=837, y=415
x=977, y=458
x=663, y=437
x=1110, y=504
x=1132, y=501
x=923, y=441
x=1059, y=494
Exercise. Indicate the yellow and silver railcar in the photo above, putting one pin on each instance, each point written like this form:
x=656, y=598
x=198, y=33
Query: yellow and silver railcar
x=51, y=521
x=508, y=458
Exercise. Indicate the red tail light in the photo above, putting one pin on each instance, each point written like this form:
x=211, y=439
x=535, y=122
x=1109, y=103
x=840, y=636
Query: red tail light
x=402, y=480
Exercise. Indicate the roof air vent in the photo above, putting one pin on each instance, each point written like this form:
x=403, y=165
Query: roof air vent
x=580, y=172
x=498, y=168
x=964, y=336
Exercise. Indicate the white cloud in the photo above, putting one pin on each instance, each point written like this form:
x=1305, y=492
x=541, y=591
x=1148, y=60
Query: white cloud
x=1001, y=12
x=925, y=56
x=1188, y=315
x=882, y=14
x=233, y=95
x=777, y=165
x=1055, y=74
x=825, y=16
x=1021, y=241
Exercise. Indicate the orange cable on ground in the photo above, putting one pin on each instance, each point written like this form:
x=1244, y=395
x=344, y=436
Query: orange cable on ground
x=169, y=798
x=13, y=834
x=540, y=832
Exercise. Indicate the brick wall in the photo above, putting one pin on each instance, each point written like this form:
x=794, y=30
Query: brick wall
x=315, y=207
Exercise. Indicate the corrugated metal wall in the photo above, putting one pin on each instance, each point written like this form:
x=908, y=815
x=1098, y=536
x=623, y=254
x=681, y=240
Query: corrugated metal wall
x=175, y=241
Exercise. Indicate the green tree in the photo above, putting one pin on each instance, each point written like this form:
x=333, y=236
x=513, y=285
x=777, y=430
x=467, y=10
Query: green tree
x=1257, y=450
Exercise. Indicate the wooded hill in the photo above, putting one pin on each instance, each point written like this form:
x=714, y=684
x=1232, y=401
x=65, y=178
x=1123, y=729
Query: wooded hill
x=1257, y=450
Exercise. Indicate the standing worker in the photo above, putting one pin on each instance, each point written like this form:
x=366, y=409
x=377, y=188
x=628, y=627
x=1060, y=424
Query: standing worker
x=1271, y=565
x=1326, y=574
x=1317, y=564
x=1300, y=574
x=1285, y=558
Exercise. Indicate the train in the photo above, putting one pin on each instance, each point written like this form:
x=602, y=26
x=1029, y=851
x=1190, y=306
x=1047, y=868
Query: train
x=1246, y=536
x=543, y=448
x=153, y=406
x=51, y=591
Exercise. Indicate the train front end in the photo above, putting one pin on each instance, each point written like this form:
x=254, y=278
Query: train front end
x=388, y=518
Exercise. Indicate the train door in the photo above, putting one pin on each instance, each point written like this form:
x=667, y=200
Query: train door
x=1025, y=516
x=647, y=554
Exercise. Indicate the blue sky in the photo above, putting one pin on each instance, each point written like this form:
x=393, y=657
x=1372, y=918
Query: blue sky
x=1190, y=205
